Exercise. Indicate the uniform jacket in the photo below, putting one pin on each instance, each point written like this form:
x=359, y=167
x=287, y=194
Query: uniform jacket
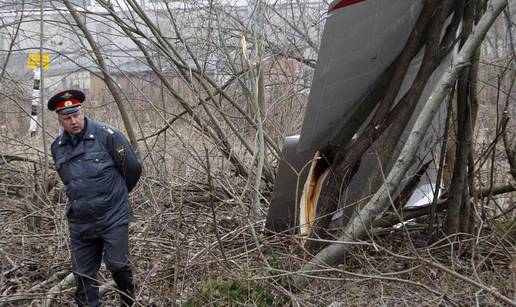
x=98, y=172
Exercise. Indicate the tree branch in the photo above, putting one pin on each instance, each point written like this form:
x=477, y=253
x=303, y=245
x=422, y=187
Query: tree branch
x=108, y=79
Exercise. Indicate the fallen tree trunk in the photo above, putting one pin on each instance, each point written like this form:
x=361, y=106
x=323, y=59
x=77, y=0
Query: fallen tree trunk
x=64, y=284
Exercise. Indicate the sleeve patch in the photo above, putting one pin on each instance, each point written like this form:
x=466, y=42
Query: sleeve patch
x=120, y=153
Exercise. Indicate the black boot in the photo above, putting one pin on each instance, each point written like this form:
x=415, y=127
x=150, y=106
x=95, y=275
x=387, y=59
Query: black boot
x=87, y=293
x=124, y=283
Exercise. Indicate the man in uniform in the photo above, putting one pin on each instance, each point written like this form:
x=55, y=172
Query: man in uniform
x=99, y=168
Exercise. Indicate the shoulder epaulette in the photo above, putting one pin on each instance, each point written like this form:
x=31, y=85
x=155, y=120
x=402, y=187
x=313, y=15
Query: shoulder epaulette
x=57, y=140
x=109, y=130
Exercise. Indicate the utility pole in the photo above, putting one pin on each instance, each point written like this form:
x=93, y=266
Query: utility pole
x=33, y=128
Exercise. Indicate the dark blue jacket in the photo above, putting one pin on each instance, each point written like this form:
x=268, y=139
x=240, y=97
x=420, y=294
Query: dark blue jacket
x=98, y=171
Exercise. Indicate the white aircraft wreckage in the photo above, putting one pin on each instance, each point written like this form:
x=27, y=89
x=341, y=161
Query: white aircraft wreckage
x=360, y=41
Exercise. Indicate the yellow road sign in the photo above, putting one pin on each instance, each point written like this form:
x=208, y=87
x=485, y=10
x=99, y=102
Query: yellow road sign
x=34, y=60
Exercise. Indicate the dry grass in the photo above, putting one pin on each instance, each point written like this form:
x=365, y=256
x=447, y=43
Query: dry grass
x=174, y=246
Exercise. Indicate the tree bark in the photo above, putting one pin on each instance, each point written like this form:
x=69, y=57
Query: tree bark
x=458, y=204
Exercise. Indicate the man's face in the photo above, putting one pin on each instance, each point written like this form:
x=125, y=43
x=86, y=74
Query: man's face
x=72, y=123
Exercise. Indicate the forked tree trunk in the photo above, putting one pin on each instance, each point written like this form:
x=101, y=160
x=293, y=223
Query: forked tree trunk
x=459, y=207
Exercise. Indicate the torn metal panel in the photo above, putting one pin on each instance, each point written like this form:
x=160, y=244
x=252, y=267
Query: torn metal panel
x=359, y=42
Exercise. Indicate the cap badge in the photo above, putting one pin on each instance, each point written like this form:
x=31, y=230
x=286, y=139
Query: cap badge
x=68, y=103
x=67, y=95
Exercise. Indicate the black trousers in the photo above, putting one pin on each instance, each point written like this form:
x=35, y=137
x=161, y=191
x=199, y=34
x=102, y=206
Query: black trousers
x=87, y=256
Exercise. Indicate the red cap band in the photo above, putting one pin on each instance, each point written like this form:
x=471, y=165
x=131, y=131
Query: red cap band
x=70, y=103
